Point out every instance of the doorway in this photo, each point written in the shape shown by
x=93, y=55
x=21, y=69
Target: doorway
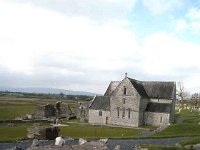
x=106, y=120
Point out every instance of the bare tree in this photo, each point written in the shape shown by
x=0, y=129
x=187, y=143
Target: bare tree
x=181, y=93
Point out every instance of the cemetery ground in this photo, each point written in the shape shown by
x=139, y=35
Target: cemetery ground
x=187, y=124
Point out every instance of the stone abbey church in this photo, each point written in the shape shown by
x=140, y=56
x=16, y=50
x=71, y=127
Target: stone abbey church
x=133, y=103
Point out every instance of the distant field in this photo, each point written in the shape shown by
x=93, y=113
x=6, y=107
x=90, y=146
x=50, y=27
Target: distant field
x=12, y=107
x=17, y=110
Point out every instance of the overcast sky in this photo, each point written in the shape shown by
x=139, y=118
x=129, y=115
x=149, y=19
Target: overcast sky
x=84, y=44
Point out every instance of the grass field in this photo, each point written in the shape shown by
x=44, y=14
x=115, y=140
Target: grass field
x=156, y=147
x=12, y=107
x=189, y=126
x=95, y=132
x=8, y=134
x=19, y=131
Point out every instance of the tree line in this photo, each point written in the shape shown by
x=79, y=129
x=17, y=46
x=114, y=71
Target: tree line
x=60, y=96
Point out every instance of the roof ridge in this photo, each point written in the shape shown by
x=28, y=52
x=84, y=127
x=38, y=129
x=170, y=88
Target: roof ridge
x=109, y=86
x=138, y=86
x=159, y=81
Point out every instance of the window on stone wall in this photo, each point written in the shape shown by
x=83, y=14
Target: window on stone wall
x=123, y=112
x=118, y=112
x=124, y=101
x=161, y=119
x=129, y=113
x=100, y=113
x=124, y=90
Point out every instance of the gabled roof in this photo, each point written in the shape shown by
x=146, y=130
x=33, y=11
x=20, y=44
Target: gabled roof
x=158, y=107
x=139, y=87
x=112, y=86
x=164, y=90
x=101, y=103
x=147, y=89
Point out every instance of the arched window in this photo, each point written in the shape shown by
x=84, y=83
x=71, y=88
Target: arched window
x=100, y=113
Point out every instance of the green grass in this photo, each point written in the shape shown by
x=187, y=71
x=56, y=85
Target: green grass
x=190, y=142
x=16, y=131
x=189, y=117
x=13, y=111
x=12, y=107
x=180, y=130
x=12, y=133
x=156, y=147
x=95, y=132
x=188, y=127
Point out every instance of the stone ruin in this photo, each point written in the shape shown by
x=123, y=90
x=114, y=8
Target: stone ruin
x=82, y=110
x=59, y=110
x=44, y=133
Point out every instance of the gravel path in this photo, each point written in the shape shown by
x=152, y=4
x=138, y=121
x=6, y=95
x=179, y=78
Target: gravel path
x=130, y=143
x=125, y=144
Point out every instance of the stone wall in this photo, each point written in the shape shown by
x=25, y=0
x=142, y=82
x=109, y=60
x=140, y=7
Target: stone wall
x=41, y=132
x=40, y=113
x=45, y=111
x=166, y=101
x=172, y=113
x=128, y=102
x=82, y=110
x=49, y=111
x=60, y=110
x=157, y=119
x=142, y=108
x=94, y=117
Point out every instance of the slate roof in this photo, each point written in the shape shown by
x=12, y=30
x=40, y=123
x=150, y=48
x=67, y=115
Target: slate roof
x=101, y=103
x=164, y=90
x=112, y=86
x=139, y=87
x=148, y=89
x=158, y=107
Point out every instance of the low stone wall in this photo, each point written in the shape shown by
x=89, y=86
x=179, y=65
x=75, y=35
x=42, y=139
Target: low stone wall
x=40, y=132
x=23, y=121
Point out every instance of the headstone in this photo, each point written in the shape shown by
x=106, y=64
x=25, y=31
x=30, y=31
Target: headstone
x=59, y=141
x=57, y=121
x=82, y=141
x=103, y=141
x=35, y=143
x=117, y=147
x=16, y=148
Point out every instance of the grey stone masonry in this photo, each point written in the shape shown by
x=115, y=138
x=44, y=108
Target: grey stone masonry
x=133, y=103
